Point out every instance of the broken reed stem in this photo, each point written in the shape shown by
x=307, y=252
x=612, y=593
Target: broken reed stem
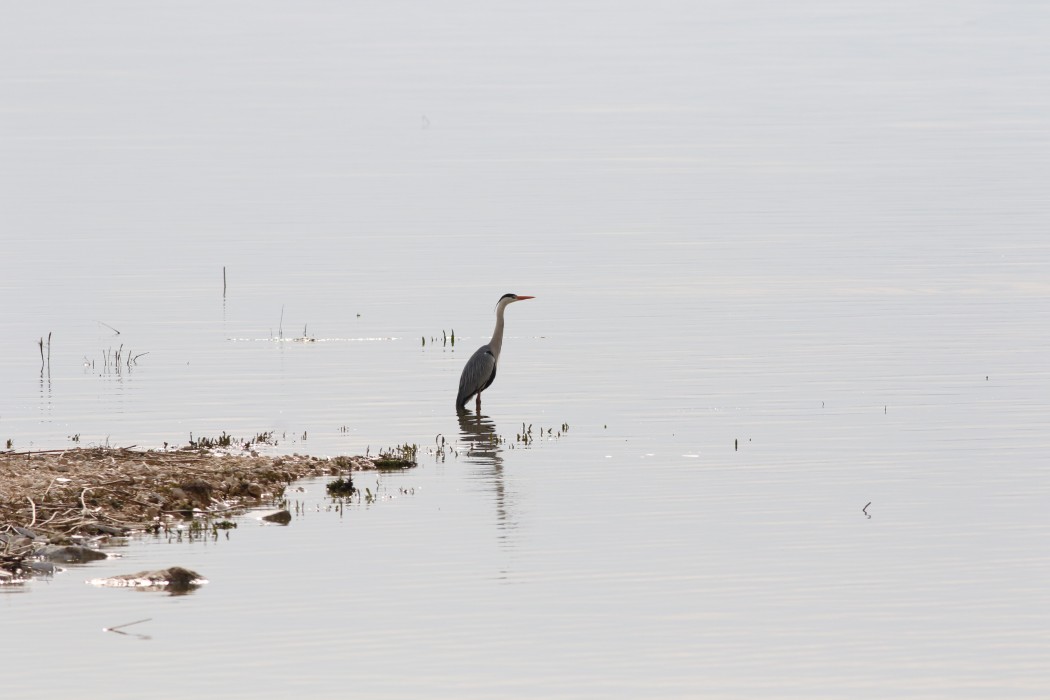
x=45, y=361
x=84, y=505
x=49, y=487
x=127, y=624
x=33, y=521
x=33, y=452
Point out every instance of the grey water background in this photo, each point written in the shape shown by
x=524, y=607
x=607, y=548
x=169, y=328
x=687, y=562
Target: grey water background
x=789, y=259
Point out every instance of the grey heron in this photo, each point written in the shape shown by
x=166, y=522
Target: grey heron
x=480, y=369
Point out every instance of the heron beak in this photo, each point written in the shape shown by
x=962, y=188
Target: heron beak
x=522, y=297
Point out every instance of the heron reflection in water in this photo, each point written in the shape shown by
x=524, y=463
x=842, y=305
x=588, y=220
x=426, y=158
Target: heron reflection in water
x=477, y=432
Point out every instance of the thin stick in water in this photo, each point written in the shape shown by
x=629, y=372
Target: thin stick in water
x=126, y=624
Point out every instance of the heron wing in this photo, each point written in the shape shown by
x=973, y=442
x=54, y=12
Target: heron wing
x=477, y=375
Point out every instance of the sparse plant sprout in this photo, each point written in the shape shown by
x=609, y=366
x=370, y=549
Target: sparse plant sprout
x=266, y=438
x=116, y=360
x=341, y=487
x=205, y=443
x=400, y=457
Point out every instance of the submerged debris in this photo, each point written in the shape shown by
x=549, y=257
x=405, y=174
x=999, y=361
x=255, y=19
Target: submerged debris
x=175, y=580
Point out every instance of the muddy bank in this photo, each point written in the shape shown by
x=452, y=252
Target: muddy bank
x=59, y=495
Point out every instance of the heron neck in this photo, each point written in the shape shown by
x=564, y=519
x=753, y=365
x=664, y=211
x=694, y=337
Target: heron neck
x=496, y=344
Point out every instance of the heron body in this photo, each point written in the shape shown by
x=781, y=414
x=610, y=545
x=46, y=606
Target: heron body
x=480, y=370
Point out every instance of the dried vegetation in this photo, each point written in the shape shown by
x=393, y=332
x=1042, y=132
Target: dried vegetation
x=64, y=496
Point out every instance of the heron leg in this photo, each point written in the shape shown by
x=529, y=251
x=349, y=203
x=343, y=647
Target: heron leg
x=479, y=402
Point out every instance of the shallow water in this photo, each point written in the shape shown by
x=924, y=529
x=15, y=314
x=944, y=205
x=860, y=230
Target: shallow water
x=788, y=260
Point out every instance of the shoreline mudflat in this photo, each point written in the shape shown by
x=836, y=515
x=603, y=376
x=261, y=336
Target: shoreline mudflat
x=61, y=494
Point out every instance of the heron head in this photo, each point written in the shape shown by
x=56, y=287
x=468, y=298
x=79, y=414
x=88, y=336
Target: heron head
x=511, y=298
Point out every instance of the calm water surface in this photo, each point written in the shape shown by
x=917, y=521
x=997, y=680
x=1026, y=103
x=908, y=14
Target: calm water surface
x=789, y=260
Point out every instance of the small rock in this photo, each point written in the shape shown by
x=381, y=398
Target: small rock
x=198, y=490
x=281, y=517
x=68, y=554
x=41, y=567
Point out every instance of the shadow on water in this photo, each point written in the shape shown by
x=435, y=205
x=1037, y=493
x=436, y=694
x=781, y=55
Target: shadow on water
x=477, y=433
